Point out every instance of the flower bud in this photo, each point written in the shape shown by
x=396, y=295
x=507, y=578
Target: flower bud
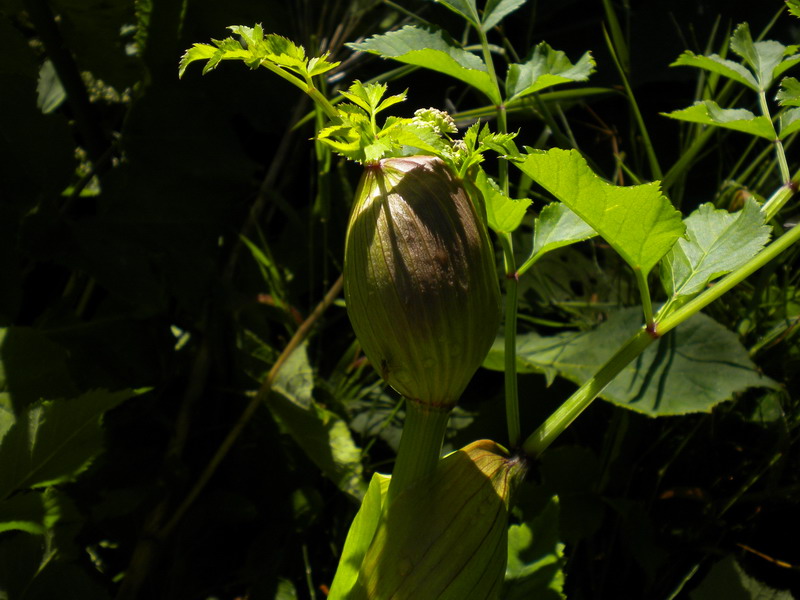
x=420, y=279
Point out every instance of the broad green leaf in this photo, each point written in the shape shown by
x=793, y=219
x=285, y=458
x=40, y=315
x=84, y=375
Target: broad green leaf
x=789, y=122
x=359, y=537
x=55, y=440
x=637, y=221
x=708, y=112
x=766, y=58
x=503, y=213
x=789, y=93
x=545, y=68
x=536, y=558
x=558, y=226
x=496, y=10
x=33, y=512
x=435, y=50
x=322, y=434
x=727, y=579
x=690, y=369
x=719, y=65
x=465, y=8
x=716, y=243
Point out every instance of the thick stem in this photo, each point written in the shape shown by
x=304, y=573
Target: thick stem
x=556, y=423
x=420, y=446
x=510, y=340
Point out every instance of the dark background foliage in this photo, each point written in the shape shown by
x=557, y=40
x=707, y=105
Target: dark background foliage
x=124, y=195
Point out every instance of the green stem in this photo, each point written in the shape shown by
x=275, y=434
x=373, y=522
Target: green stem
x=306, y=86
x=510, y=340
x=779, y=199
x=644, y=293
x=779, y=151
x=556, y=423
x=420, y=445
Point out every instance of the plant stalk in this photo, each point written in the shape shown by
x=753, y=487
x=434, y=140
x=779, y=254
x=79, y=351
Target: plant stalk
x=420, y=445
x=510, y=341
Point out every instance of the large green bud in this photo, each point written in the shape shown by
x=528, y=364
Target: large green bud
x=420, y=280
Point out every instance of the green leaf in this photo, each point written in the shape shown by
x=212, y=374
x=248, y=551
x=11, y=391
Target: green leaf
x=719, y=65
x=794, y=7
x=54, y=441
x=33, y=512
x=497, y=10
x=708, y=112
x=789, y=122
x=637, y=221
x=322, y=434
x=464, y=8
x=433, y=49
x=716, y=243
x=766, y=58
x=545, y=68
x=536, y=557
x=558, y=226
x=503, y=214
x=691, y=369
x=359, y=537
x=789, y=93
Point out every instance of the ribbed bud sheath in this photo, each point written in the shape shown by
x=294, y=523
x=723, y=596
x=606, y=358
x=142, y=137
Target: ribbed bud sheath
x=419, y=279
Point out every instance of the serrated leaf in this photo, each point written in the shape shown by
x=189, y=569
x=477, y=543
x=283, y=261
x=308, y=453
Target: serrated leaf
x=691, y=369
x=465, y=8
x=504, y=214
x=708, y=112
x=432, y=49
x=716, y=243
x=536, y=557
x=789, y=122
x=545, y=68
x=766, y=58
x=637, y=221
x=33, y=512
x=719, y=65
x=789, y=92
x=558, y=226
x=54, y=440
x=794, y=7
x=359, y=537
x=496, y=10
x=322, y=434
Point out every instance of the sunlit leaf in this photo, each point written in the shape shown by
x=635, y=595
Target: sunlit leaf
x=738, y=119
x=464, y=8
x=503, y=213
x=690, y=369
x=637, y=221
x=716, y=243
x=789, y=122
x=794, y=7
x=545, y=68
x=789, y=92
x=719, y=65
x=53, y=441
x=558, y=226
x=766, y=58
x=432, y=49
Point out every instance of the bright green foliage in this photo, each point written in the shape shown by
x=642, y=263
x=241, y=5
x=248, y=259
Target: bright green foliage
x=789, y=94
x=691, y=369
x=716, y=243
x=545, y=68
x=492, y=14
x=53, y=441
x=637, y=221
x=556, y=226
x=504, y=214
x=321, y=433
x=359, y=537
x=708, y=112
x=536, y=557
x=256, y=49
x=433, y=49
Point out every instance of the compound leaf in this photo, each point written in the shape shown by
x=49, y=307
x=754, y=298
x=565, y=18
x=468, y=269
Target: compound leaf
x=433, y=49
x=766, y=58
x=716, y=243
x=637, y=221
x=545, y=68
x=708, y=112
